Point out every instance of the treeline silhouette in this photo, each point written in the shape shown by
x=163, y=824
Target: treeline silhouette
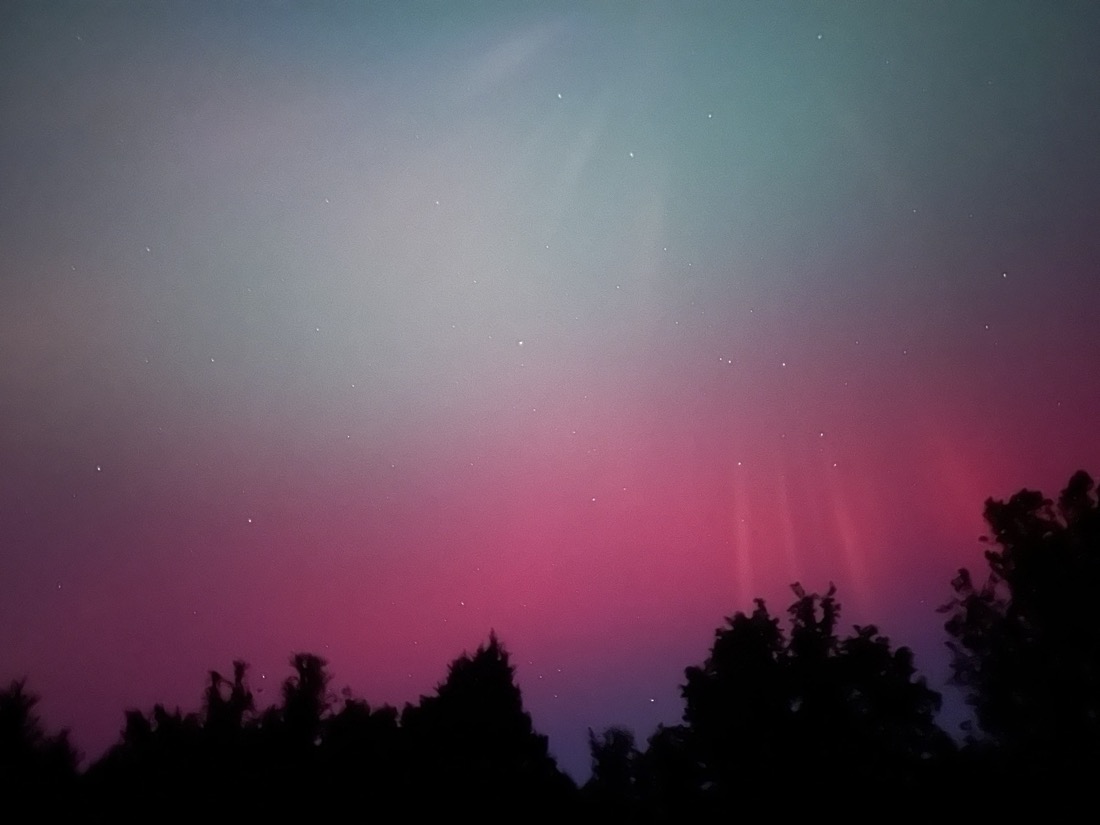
x=791, y=719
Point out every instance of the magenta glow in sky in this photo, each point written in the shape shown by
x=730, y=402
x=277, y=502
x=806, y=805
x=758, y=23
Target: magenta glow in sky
x=363, y=329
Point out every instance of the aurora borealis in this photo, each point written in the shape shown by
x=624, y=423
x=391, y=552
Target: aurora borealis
x=365, y=328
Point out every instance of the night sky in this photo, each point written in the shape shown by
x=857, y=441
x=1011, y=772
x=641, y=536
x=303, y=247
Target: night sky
x=365, y=328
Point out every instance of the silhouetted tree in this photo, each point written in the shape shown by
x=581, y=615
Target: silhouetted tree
x=1026, y=642
x=669, y=777
x=227, y=703
x=37, y=769
x=612, y=792
x=807, y=712
x=738, y=708
x=473, y=747
x=364, y=762
x=305, y=698
x=154, y=771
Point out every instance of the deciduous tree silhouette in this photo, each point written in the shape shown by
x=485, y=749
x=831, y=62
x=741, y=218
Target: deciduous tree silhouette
x=669, y=778
x=788, y=714
x=305, y=698
x=807, y=714
x=364, y=756
x=37, y=769
x=612, y=793
x=154, y=772
x=738, y=706
x=1026, y=642
x=227, y=703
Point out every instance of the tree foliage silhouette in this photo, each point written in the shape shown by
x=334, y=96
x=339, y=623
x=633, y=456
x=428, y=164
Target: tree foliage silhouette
x=791, y=713
x=769, y=710
x=37, y=769
x=470, y=748
x=474, y=742
x=613, y=791
x=305, y=698
x=227, y=704
x=1026, y=642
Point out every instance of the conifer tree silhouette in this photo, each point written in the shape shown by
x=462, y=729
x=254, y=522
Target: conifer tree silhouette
x=474, y=743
